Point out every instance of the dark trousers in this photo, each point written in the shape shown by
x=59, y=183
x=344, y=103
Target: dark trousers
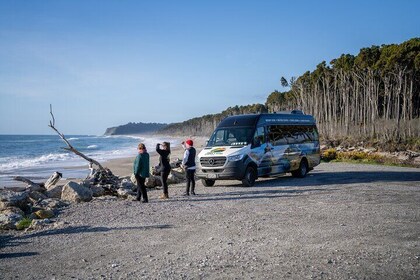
x=164, y=175
x=141, y=188
x=190, y=180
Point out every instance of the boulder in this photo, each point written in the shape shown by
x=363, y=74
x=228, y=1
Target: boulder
x=54, y=191
x=39, y=224
x=153, y=181
x=51, y=203
x=125, y=193
x=35, y=195
x=8, y=220
x=126, y=184
x=44, y=214
x=75, y=192
x=10, y=198
x=97, y=190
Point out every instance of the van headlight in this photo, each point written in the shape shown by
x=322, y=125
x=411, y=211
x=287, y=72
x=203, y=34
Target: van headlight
x=235, y=158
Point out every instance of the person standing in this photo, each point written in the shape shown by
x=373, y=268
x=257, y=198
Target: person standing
x=141, y=172
x=188, y=162
x=164, y=150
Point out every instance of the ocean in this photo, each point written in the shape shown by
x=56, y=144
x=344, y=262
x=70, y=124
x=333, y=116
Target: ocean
x=36, y=157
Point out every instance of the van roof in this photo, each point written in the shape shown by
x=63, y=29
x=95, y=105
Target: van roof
x=250, y=120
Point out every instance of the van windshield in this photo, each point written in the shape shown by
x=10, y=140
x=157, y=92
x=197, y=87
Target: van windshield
x=231, y=136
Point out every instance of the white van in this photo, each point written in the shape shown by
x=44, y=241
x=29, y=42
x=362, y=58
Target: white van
x=245, y=147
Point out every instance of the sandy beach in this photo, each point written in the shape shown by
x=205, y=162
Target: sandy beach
x=124, y=166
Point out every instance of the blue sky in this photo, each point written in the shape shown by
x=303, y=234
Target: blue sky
x=107, y=63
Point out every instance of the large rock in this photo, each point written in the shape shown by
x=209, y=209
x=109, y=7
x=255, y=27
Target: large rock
x=10, y=217
x=10, y=199
x=44, y=214
x=54, y=191
x=51, y=203
x=97, y=190
x=75, y=192
x=37, y=195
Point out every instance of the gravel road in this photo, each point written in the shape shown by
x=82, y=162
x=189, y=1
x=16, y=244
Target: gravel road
x=342, y=221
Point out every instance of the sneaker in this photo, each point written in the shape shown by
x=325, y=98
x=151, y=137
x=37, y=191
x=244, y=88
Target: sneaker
x=193, y=193
x=185, y=194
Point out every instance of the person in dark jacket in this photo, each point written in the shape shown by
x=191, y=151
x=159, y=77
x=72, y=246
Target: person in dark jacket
x=188, y=162
x=141, y=172
x=164, y=151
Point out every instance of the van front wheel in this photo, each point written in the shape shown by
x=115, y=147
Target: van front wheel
x=250, y=177
x=208, y=183
x=302, y=171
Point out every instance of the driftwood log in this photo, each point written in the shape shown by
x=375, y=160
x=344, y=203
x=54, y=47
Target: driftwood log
x=70, y=147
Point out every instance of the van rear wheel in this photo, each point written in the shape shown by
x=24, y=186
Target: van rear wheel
x=208, y=183
x=302, y=171
x=250, y=177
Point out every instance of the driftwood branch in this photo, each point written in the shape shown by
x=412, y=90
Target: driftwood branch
x=70, y=147
x=25, y=180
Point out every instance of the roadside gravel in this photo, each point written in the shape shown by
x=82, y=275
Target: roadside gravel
x=342, y=221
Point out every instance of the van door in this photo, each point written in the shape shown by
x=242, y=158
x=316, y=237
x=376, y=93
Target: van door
x=280, y=161
x=261, y=152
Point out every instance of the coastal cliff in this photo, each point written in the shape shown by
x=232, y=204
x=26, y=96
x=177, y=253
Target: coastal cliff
x=134, y=128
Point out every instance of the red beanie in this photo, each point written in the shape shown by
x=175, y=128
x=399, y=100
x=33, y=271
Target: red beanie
x=189, y=142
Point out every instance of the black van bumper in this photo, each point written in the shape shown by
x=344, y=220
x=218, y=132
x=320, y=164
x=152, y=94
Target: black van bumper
x=234, y=170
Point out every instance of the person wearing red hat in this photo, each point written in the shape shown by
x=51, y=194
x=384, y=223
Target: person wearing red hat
x=188, y=162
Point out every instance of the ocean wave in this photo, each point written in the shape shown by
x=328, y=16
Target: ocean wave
x=73, y=138
x=92, y=146
x=16, y=163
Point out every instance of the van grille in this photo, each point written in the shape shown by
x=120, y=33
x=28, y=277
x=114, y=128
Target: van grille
x=212, y=161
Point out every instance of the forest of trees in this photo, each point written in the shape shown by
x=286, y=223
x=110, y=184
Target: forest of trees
x=371, y=97
x=374, y=96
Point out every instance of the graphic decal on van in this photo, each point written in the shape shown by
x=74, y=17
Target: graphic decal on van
x=216, y=151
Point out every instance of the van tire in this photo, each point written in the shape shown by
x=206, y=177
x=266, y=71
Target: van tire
x=207, y=182
x=250, y=177
x=302, y=171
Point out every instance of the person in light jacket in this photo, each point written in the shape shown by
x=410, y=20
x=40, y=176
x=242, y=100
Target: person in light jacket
x=188, y=163
x=141, y=171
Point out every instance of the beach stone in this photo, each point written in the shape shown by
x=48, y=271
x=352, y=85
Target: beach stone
x=10, y=198
x=153, y=181
x=97, y=191
x=35, y=195
x=44, y=214
x=54, y=191
x=126, y=184
x=39, y=224
x=8, y=220
x=75, y=192
x=125, y=193
x=51, y=203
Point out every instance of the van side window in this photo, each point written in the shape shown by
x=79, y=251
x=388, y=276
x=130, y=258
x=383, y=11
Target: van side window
x=276, y=135
x=259, y=137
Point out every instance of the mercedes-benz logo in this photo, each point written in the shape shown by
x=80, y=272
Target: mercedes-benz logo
x=211, y=161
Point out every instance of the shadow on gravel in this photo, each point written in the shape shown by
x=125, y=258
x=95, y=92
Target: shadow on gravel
x=11, y=240
x=17, y=255
x=323, y=178
x=254, y=194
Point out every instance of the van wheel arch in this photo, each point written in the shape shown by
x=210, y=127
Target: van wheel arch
x=250, y=176
x=302, y=170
